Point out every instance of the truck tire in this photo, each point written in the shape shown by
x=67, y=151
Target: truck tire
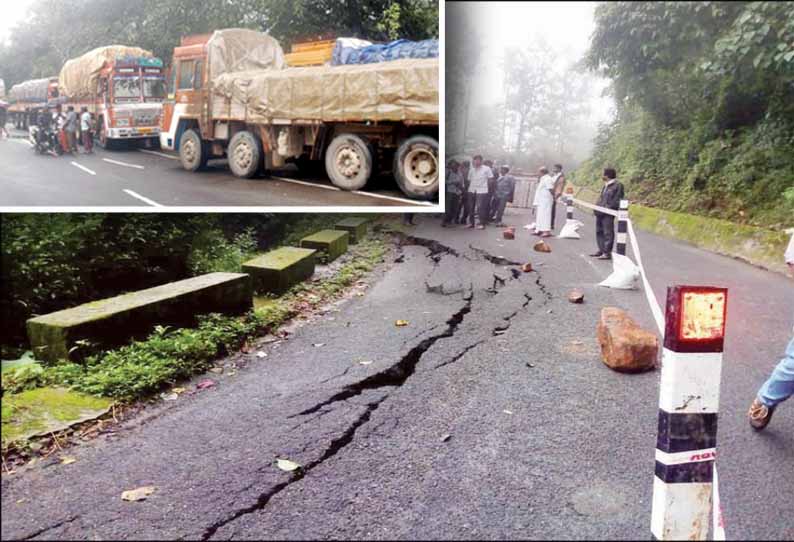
x=348, y=162
x=102, y=138
x=192, y=151
x=416, y=167
x=245, y=154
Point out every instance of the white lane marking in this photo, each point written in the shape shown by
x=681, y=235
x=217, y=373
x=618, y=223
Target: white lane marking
x=159, y=154
x=315, y=185
x=393, y=198
x=122, y=163
x=359, y=192
x=75, y=164
x=142, y=198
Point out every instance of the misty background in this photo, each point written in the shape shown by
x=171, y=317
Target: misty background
x=516, y=87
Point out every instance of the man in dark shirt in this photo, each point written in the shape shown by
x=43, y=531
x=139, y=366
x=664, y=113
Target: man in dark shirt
x=610, y=197
x=454, y=191
x=505, y=185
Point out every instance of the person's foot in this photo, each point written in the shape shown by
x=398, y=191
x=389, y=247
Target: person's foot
x=469, y=226
x=759, y=414
x=605, y=257
x=481, y=227
x=545, y=234
x=596, y=254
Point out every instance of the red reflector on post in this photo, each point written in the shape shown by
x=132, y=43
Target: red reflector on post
x=696, y=318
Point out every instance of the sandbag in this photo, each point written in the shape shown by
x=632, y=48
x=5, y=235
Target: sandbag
x=624, y=274
x=571, y=229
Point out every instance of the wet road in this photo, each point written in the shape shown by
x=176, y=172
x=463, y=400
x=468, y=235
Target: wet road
x=141, y=178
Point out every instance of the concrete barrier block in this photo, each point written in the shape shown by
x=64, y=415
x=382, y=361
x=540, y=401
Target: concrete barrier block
x=356, y=227
x=332, y=242
x=280, y=269
x=118, y=320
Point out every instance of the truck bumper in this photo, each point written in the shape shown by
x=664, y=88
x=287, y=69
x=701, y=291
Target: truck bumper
x=133, y=133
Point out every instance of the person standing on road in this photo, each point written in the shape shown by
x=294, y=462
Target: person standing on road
x=465, y=203
x=454, y=190
x=780, y=384
x=505, y=185
x=85, y=131
x=59, y=121
x=478, y=192
x=544, y=201
x=610, y=197
x=3, y=120
x=70, y=127
x=559, y=187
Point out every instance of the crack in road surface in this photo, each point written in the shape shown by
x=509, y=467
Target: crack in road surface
x=393, y=377
x=50, y=528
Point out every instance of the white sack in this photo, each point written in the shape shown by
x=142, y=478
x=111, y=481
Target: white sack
x=571, y=229
x=624, y=274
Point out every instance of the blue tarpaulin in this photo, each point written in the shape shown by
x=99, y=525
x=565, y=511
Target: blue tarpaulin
x=346, y=52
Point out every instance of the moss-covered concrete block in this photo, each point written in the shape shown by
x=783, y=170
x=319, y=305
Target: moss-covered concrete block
x=117, y=320
x=280, y=269
x=332, y=242
x=356, y=227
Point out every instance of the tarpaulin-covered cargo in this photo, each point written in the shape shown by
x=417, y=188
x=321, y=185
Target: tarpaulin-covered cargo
x=347, y=51
x=34, y=90
x=240, y=49
x=402, y=90
x=78, y=78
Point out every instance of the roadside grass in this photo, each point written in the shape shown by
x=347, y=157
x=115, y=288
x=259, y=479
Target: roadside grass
x=168, y=356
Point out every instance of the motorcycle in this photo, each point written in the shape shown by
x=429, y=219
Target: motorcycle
x=45, y=140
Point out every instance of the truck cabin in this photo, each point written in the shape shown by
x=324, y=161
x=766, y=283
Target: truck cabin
x=132, y=80
x=187, y=80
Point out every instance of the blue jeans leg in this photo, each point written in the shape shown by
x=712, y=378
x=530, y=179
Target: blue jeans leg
x=780, y=385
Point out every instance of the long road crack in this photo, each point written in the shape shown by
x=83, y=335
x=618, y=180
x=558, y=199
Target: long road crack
x=394, y=377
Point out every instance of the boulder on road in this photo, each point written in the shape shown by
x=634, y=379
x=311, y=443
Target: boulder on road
x=542, y=246
x=625, y=346
x=576, y=296
x=509, y=233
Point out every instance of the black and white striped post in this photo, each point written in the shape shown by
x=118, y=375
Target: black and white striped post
x=623, y=216
x=688, y=404
x=569, y=207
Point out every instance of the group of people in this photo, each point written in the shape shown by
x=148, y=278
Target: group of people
x=478, y=192
x=69, y=127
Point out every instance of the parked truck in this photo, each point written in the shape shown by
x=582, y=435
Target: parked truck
x=235, y=97
x=26, y=99
x=124, y=87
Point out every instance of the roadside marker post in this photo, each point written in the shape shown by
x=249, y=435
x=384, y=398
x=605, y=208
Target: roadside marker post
x=623, y=217
x=688, y=405
x=569, y=206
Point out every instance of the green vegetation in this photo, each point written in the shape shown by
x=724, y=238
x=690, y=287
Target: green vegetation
x=56, y=261
x=705, y=119
x=59, y=30
x=43, y=410
x=169, y=355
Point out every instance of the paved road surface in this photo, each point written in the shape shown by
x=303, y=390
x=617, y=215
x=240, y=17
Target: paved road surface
x=136, y=177
x=544, y=440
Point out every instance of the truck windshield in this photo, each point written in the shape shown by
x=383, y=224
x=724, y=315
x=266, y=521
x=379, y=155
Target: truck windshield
x=154, y=87
x=126, y=89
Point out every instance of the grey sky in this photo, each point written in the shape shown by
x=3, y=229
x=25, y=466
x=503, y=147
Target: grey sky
x=566, y=26
x=13, y=11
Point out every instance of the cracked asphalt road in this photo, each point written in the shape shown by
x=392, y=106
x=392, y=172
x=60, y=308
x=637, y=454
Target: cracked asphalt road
x=488, y=416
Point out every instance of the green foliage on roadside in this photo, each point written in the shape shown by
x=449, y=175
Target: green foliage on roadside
x=55, y=261
x=169, y=355
x=705, y=120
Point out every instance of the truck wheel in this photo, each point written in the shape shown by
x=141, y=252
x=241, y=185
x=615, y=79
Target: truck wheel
x=416, y=167
x=245, y=154
x=102, y=136
x=192, y=151
x=348, y=162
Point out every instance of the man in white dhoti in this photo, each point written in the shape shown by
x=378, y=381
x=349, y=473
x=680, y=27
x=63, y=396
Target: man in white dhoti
x=544, y=200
